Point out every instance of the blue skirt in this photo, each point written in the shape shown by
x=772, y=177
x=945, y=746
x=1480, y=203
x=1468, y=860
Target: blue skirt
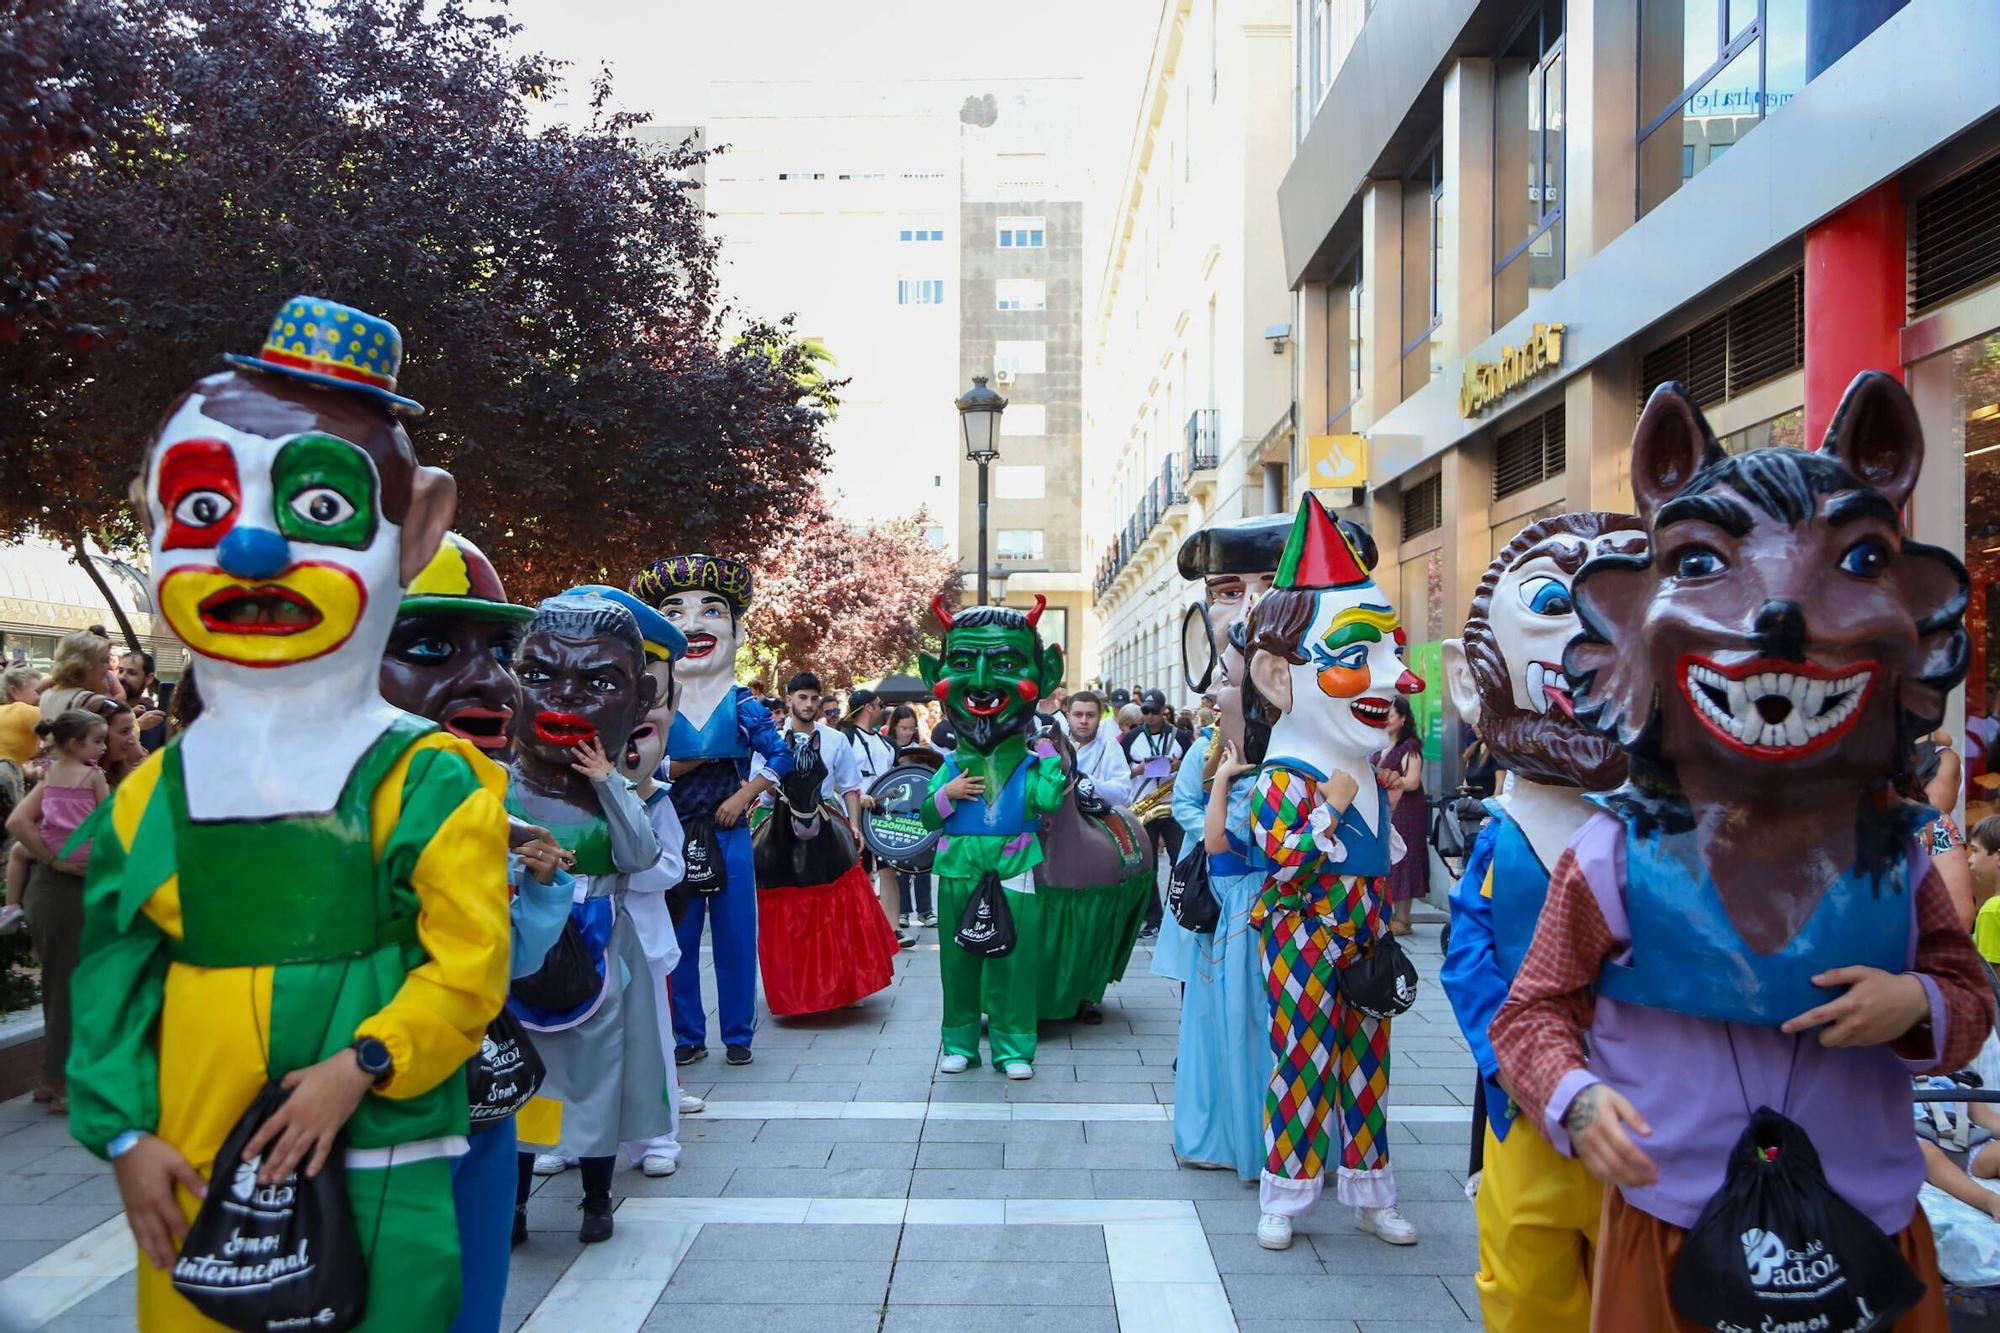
x=1225, y=1059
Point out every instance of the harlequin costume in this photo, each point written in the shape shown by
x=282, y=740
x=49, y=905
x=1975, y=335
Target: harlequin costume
x=1538, y=1210
x=1222, y=1066
x=719, y=725
x=445, y=663
x=1323, y=656
x=304, y=868
x=989, y=671
x=1856, y=639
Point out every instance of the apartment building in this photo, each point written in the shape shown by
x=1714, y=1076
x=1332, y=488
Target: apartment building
x=1191, y=396
x=1507, y=221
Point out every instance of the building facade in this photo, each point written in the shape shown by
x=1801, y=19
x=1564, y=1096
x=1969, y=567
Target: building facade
x=1191, y=394
x=1507, y=221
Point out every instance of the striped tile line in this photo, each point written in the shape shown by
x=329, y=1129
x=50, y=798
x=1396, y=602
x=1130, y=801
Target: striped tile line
x=724, y=1109
x=60, y=1279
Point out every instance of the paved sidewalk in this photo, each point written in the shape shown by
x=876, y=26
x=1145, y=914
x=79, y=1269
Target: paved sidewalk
x=839, y=1184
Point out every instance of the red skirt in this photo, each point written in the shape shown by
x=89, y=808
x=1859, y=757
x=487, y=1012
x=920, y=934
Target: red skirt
x=823, y=946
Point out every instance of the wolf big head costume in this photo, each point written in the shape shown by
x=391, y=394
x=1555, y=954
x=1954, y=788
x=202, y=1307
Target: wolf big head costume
x=305, y=869
x=1750, y=922
x=1537, y=1210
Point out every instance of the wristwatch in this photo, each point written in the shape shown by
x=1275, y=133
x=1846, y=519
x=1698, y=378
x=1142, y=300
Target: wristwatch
x=373, y=1057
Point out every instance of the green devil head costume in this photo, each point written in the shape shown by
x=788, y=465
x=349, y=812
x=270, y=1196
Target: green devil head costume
x=990, y=670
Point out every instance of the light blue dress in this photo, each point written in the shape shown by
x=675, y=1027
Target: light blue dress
x=1173, y=950
x=1224, y=1061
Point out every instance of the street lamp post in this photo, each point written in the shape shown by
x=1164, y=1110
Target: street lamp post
x=979, y=416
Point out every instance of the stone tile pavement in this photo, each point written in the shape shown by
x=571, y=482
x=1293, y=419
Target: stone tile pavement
x=839, y=1183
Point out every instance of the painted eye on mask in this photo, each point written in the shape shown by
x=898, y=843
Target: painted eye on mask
x=1698, y=562
x=1866, y=559
x=325, y=492
x=1354, y=657
x=1547, y=597
x=322, y=505
x=428, y=652
x=201, y=509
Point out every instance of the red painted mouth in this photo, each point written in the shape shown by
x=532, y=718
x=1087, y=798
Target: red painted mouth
x=484, y=727
x=984, y=703
x=1769, y=709
x=563, y=728
x=699, y=646
x=265, y=609
x=1371, y=712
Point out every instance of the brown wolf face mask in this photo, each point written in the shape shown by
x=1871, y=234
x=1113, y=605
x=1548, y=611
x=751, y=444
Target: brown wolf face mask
x=1781, y=630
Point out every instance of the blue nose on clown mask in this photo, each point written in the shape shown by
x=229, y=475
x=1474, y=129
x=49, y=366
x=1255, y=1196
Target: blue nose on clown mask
x=253, y=553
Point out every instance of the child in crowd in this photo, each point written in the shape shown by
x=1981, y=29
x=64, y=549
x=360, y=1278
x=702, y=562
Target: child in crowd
x=1983, y=847
x=51, y=895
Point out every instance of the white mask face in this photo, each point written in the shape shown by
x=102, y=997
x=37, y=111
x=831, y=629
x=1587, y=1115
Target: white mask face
x=713, y=634
x=1341, y=696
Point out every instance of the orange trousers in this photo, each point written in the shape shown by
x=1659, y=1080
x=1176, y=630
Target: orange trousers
x=1635, y=1261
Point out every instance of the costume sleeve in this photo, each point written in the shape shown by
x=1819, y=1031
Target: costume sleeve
x=1281, y=809
x=1190, y=801
x=1961, y=999
x=936, y=805
x=1046, y=783
x=451, y=834
x=762, y=733
x=537, y=914
x=1109, y=774
x=1986, y=930
x=634, y=846
x=841, y=765
x=1537, y=1035
x=1471, y=972
x=670, y=867
x=118, y=991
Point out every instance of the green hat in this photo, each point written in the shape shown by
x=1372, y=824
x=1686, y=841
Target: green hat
x=460, y=581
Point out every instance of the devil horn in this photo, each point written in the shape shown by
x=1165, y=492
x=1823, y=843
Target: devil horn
x=1041, y=604
x=938, y=610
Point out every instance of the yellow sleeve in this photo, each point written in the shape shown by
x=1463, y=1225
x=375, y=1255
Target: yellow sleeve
x=447, y=822
x=1986, y=931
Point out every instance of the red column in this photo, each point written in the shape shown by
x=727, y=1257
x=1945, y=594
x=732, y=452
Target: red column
x=1854, y=300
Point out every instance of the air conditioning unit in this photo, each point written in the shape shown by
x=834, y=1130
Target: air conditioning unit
x=1003, y=376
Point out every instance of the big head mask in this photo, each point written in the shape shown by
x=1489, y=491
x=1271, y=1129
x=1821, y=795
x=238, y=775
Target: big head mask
x=990, y=670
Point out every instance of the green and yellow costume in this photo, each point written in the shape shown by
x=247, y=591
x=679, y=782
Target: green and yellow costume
x=219, y=955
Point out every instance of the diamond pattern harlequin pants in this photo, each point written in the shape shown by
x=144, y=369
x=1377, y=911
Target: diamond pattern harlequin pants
x=1326, y=1054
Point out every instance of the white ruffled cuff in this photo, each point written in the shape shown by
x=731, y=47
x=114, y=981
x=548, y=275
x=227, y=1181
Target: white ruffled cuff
x=1324, y=825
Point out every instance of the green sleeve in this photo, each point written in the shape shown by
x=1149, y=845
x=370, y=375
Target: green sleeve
x=117, y=995
x=1045, y=785
x=929, y=809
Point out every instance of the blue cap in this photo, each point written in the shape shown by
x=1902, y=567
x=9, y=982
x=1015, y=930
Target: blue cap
x=663, y=641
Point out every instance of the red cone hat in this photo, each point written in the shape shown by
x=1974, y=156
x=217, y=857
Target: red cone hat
x=1318, y=555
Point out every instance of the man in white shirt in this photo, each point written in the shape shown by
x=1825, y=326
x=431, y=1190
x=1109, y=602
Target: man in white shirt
x=1097, y=755
x=842, y=784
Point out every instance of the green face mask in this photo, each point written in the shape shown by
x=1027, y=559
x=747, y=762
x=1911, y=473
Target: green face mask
x=989, y=676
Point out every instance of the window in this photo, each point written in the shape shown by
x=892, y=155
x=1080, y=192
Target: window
x=1528, y=164
x=1025, y=357
x=1343, y=340
x=1530, y=453
x=934, y=535
x=1331, y=28
x=1423, y=226
x=1020, y=233
x=923, y=230
x=1020, y=294
x=1020, y=543
x=1020, y=481
x=920, y=291
x=1709, y=72
x=1025, y=419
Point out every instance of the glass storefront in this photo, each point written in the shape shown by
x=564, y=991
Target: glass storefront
x=1975, y=414
x=1787, y=430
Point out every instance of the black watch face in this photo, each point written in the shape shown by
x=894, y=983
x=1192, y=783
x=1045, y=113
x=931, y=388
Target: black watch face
x=372, y=1055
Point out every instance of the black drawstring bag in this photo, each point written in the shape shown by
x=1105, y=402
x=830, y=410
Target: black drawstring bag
x=1381, y=981
x=1777, y=1248
x=702, y=856
x=261, y=1257
x=1190, y=897
x=504, y=1074
x=567, y=977
x=986, y=927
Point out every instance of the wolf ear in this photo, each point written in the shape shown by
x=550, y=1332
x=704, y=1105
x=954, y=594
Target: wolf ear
x=1671, y=444
x=1875, y=435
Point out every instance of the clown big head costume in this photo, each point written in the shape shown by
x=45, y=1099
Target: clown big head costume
x=1324, y=663
x=307, y=884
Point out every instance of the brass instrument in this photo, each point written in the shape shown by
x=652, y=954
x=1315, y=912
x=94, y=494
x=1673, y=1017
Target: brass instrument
x=1155, y=805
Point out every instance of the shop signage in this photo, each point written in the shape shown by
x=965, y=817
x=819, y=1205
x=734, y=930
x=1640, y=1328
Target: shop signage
x=1336, y=460
x=1487, y=382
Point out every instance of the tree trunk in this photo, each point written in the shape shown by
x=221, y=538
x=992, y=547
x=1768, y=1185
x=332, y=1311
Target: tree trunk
x=89, y=566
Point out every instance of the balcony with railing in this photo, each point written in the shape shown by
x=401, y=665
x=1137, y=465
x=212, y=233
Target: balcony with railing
x=1156, y=520
x=1203, y=449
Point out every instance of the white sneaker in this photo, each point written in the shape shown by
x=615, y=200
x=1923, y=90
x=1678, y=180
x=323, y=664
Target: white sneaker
x=692, y=1105
x=657, y=1164
x=1387, y=1223
x=10, y=919
x=1274, y=1231
x=1018, y=1070
x=953, y=1063
x=551, y=1164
